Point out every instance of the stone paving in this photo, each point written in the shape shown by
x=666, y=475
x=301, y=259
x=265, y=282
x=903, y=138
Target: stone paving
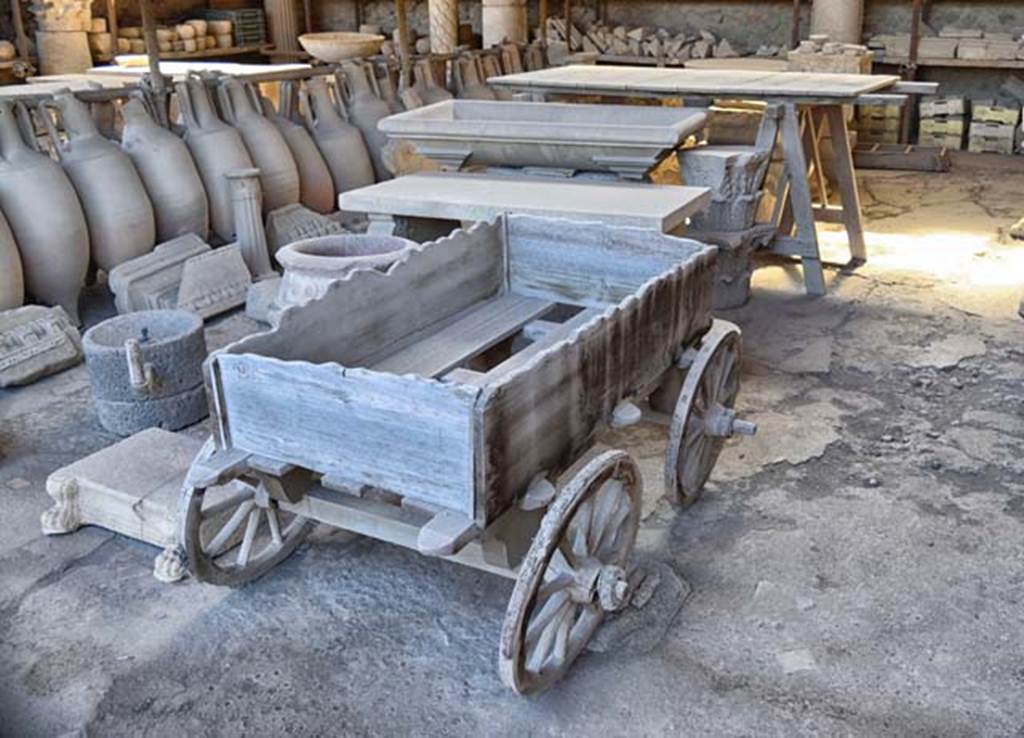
x=853, y=569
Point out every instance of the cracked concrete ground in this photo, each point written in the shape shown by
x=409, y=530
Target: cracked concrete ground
x=853, y=569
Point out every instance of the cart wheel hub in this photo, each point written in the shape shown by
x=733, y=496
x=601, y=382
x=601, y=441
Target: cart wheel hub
x=721, y=422
x=613, y=588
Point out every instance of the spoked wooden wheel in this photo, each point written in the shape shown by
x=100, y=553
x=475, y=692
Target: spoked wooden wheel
x=704, y=415
x=239, y=534
x=574, y=572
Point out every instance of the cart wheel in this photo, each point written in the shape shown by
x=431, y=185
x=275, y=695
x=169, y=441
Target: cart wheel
x=220, y=549
x=704, y=417
x=574, y=572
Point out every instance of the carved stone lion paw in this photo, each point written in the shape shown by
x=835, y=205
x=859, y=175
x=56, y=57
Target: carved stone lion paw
x=171, y=565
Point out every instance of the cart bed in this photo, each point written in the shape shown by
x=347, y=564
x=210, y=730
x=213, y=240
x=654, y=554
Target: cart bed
x=476, y=362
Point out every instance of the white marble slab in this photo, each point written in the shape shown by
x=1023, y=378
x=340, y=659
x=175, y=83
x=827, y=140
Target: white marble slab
x=475, y=197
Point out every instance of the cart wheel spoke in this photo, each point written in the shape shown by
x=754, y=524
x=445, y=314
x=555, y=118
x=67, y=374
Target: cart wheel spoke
x=241, y=493
x=219, y=542
x=274, y=525
x=587, y=534
x=250, y=535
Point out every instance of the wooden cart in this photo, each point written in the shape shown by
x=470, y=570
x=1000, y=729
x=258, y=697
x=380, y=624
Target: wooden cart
x=436, y=405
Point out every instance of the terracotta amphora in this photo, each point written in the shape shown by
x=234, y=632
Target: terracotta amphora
x=216, y=148
x=12, y=285
x=365, y=109
x=426, y=85
x=168, y=173
x=114, y=200
x=339, y=141
x=45, y=216
x=316, y=188
x=279, y=176
x=469, y=79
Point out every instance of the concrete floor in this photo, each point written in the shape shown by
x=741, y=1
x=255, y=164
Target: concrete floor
x=854, y=569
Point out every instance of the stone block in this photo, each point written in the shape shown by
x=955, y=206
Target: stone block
x=949, y=141
x=152, y=281
x=214, y=282
x=946, y=125
x=297, y=223
x=132, y=488
x=989, y=111
x=971, y=48
x=955, y=32
x=934, y=106
x=36, y=341
x=993, y=138
x=937, y=48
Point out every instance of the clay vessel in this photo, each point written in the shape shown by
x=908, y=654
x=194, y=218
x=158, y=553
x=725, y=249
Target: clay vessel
x=316, y=188
x=469, y=79
x=216, y=148
x=365, y=109
x=12, y=285
x=168, y=173
x=279, y=175
x=46, y=218
x=426, y=85
x=313, y=264
x=340, y=142
x=117, y=208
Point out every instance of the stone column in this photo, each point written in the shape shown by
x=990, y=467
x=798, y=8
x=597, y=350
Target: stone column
x=504, y=20
x=444, y=25
x=247, y=203
x=842, y=20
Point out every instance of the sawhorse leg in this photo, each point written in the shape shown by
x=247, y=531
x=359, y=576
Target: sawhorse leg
x=846, y=181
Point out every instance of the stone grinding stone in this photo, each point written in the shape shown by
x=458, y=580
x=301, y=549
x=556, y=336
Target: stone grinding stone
x=170, y=413
x=175, y=347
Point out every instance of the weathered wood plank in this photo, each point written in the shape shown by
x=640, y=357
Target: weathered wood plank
x=403, y=434
x=587, y=264
x=367, y=312
x=541, y=409
x=477, y=329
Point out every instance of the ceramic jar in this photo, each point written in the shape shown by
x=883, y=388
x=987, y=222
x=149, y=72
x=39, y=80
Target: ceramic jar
x=168, y=173
x=117, y=208
x=45, y=217
x=365, y=109
x=268, y=149
x=12, y=286
x=316, y=188
x=340, y=142
x=216, y=148
x=310, y=266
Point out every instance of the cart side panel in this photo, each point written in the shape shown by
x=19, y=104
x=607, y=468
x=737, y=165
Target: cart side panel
x=588, y=264
x=369, y=313
x=403, y=434
x=544, y=414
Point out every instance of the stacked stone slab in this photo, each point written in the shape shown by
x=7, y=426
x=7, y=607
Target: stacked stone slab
x=643, y=41
x=879, y=123
x=942, y=121
x=994, y=127
x=145, y=370
x=62, y=40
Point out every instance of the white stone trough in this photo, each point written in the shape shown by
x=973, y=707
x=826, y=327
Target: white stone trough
x=627, y=140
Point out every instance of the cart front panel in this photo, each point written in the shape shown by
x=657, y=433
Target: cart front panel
x=404, y=434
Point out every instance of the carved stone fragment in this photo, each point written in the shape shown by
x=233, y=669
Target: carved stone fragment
x=214, y=282
x=36, y=341
x=151, y=281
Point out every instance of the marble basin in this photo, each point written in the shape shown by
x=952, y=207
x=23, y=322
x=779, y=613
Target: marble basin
x=627, y=140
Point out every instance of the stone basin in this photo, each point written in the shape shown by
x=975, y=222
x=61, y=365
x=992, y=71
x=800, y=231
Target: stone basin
x=312, y=264
x=627, y=140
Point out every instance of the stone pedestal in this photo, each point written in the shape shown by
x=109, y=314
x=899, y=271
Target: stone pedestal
x=132, y=488
x=504, y=20
x=247, y=203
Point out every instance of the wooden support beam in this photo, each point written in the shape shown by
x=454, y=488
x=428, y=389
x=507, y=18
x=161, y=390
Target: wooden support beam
x=158, y=82
x=19, y=31
x=794, y=39
x=567, y=11
x=404, y=46
x=112, y=24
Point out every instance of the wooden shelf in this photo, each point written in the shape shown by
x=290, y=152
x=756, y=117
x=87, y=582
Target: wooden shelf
x=956, y=63
x=204, y=54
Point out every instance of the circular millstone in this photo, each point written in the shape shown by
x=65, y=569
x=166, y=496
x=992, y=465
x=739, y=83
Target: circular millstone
x=170, y=413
